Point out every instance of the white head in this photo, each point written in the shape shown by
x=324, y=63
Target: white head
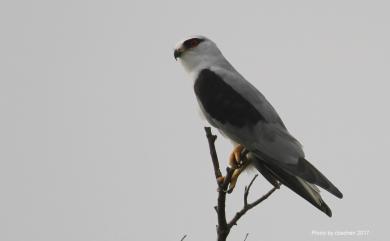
x=198, y=52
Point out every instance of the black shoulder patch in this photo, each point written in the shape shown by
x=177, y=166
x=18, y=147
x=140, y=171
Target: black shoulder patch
x=222, y=102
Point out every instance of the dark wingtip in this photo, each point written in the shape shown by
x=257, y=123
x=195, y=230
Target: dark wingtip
x=339, y=195
x=313, y=175
x=326, y=209
x=335, y=192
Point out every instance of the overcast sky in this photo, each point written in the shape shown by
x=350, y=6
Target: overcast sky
x=100, y=139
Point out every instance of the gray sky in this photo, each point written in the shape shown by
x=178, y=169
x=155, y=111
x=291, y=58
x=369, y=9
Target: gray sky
x=100, y=138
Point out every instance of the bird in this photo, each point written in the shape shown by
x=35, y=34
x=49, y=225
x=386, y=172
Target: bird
x=239, y=111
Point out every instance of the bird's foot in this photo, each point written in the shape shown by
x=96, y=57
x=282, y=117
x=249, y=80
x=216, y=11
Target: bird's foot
x=235, y=158
x=236, y=174
x=238, y=162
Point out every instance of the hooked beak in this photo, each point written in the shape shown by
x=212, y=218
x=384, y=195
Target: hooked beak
x=178, y=52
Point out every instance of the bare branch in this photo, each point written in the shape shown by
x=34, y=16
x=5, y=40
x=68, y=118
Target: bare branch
x=227, y=179
x=223, y=183
x=214, y=157
x=246, y=236
x=224, y=227
x=185, y=236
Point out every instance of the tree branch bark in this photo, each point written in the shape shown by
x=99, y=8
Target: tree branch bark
x=224, y=227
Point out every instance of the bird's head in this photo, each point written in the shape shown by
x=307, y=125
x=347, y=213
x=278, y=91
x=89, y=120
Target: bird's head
x=197, y=52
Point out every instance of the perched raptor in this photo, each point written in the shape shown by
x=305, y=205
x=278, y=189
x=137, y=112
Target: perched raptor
x=239, y=111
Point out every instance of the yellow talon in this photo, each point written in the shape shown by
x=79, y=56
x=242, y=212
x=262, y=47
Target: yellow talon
x=235, y=176
x=235, y=156
x=237, y=165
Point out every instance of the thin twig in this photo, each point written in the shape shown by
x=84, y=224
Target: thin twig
x=247, y=188
x=248, y=206
x=258, y=201
x=246, y=236
x=185, y=236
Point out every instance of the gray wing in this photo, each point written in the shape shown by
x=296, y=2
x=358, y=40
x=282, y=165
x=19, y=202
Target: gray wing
x=268, y=138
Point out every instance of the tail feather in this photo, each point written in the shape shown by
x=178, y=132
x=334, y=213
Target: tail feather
x=303, y=169
x=313, y=175
x=301, y=187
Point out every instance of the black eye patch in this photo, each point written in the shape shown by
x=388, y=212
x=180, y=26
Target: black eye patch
x=191, y=43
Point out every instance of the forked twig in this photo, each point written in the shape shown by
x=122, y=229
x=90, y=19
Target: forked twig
x=248, y=206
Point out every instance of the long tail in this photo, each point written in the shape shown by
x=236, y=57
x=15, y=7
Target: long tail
x=301, y=187
x=303, y=169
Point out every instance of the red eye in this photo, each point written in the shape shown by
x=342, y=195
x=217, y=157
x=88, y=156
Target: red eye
x=194, y=42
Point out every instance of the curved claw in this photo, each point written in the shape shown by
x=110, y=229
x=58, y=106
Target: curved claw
x=235, y=156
